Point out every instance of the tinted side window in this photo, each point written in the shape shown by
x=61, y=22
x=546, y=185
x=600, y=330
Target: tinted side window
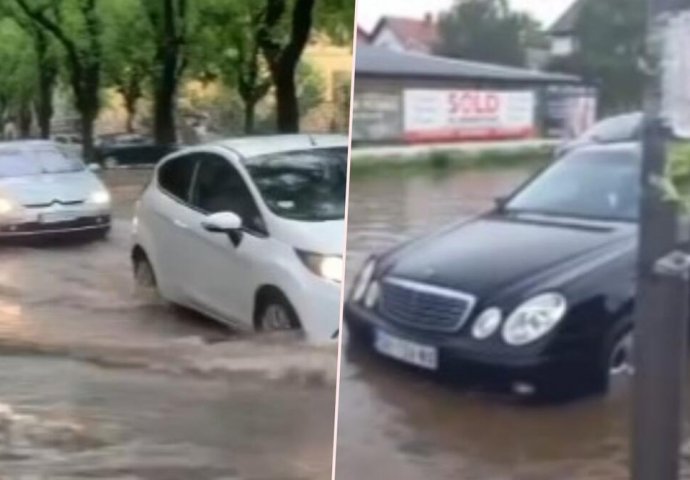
x=175, y=176
x=220, y=188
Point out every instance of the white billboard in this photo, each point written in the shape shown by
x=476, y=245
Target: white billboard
x=449, y=115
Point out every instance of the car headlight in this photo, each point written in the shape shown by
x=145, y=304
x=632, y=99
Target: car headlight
x=363, y=280
x=329, y=267
x=99, y=197
x=371, y=298
x=6, y=206
x=487, y=323
x=534, y=318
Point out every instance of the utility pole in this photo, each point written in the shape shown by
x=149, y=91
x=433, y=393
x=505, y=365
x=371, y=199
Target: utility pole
x=662, y=307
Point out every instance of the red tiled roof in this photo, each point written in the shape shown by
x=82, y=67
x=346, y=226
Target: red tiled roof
x=418, y=35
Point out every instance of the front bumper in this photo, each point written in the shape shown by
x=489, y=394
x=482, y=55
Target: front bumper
x=55, y=221
x=463, y=355
x=317, y=302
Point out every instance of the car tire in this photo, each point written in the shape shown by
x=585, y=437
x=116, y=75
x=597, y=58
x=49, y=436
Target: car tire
x=615, y=364
x=111, y=162
x=145, y=277
x=275, y=313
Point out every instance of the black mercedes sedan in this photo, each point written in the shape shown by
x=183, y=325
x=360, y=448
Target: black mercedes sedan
x=538, y=292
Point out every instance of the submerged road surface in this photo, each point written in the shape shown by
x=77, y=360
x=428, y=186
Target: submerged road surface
x=97, y=382
x=398, y=423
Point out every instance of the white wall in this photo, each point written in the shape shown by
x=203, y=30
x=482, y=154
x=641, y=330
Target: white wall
x=387, y=39
x=563, y=46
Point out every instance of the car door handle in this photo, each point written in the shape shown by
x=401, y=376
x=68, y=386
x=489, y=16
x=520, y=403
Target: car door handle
x=180, y=224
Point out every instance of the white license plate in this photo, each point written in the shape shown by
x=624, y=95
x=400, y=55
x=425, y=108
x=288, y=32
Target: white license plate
x=57, y=217
x=413, y=353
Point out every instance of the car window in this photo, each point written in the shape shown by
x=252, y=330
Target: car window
x=307, y=185
x=175, y=176
x=45, y=160
x=219, y=187
x=616, y=129
x=593, y=185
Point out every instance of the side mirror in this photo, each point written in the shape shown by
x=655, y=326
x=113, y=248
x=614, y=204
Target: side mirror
x=94, y=167
x=500, y=203
x=223, y=222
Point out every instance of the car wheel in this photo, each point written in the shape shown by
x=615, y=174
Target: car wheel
x=111, y=162
x=617, y=363
x=276, y=314
x=620, y=361
x=145, y=278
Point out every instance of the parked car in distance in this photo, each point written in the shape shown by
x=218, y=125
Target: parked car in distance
x=44, y=192
x=249, y=232
x=130, y=150
x=70, y=144
x=617, y=129
x=538, y=292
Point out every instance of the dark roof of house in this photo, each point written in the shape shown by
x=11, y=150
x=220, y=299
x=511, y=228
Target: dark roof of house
x=382, y=62
x=566, y=23
x=362, y=35
x=413, y=33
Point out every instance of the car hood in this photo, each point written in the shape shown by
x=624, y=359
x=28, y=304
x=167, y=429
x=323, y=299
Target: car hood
x=47, y=188
x=493, y=252
x=326, y=237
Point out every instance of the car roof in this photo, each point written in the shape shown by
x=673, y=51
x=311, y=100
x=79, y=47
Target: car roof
x=266, y=144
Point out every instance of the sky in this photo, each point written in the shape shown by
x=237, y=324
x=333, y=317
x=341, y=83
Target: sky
x=369, y=11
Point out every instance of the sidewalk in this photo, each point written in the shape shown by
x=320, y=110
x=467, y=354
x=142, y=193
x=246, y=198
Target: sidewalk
x=407, y=153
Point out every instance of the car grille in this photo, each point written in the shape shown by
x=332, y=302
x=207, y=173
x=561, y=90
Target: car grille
x=54, y=202
x=423, y=306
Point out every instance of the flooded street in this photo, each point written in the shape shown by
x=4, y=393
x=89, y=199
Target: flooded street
x=98, y=382
x=398, y=423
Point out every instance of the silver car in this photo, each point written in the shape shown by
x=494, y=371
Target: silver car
x=45, y=192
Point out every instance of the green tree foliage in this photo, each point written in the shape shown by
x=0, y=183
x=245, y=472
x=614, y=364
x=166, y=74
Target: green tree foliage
x=128, y=47
x=76, y=25
x=170, y=22
x=228, y=49
x=310, y=88
x=611, y=42
x=285, y=30
x=17, y=75
x=486, y=30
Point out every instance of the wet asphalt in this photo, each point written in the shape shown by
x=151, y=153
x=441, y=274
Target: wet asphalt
x=97, y=381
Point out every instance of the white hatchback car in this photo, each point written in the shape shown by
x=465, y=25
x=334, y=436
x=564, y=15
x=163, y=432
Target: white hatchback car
x=249, y=232
x=44, y=192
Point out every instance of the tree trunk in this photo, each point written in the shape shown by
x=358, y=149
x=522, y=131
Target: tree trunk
x=44, y=106
x=24, y=119
x=249, y=117
x=287, y=105
x=87, y=122
x=164, y=129
x=131, y=110
x=283, y=60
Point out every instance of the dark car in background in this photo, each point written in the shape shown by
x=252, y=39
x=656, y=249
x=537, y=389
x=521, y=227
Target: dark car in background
x=538, y=292
x=616, y=129
x=130, y=150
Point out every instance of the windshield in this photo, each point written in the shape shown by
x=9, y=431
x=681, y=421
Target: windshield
x=303, y=185
x=600, y=185
x=24, y=163
x=616, y=129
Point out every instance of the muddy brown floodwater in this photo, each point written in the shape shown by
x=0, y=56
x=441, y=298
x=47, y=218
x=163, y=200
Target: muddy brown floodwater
x=97, y=382
x=402, y=424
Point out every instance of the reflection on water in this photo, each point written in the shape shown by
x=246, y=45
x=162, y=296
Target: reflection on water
x=398, y=423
